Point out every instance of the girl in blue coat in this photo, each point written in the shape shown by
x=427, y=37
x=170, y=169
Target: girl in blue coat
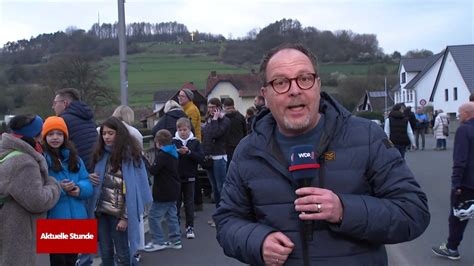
x=69, y=170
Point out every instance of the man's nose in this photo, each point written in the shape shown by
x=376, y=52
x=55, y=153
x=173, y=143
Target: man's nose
x=294, y=88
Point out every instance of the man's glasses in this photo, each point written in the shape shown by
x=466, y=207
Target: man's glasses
x=283, y=85
x=58, y=101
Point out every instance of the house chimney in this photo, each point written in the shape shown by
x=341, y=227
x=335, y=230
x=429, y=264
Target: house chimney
x=213, y=74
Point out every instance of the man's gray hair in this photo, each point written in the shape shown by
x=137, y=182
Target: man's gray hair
x=69, y=93
x=296, y=46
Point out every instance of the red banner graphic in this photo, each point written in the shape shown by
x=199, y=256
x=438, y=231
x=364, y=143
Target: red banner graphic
x=66, y=236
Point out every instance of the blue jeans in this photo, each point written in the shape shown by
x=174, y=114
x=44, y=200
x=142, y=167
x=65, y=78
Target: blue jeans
x=85, y=259
x=217, y=177
x=110, y=239
x=168, y=210
x=441, y=143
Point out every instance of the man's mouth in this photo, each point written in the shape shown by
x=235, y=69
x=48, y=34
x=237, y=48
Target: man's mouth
x=296, y=107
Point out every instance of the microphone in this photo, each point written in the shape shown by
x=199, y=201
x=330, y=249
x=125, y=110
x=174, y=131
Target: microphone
x=304, y=167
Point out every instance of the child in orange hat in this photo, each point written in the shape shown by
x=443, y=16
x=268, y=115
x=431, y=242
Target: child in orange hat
x=69, y=170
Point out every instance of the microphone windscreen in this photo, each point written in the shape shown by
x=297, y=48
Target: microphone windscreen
x=303, y=162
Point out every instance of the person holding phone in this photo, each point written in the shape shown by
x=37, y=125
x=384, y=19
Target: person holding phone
x=66, y=166
x=214, y=132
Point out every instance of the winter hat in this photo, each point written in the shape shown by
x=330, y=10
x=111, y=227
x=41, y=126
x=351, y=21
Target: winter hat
x=189, y=94
x=52, y=123
x=31, y=130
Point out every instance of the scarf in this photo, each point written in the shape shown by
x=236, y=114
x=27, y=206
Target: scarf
x=184, y=141
x=137, y=196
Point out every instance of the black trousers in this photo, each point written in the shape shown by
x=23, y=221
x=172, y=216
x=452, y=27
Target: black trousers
x=187, y=196
x=457, y=227
x=197, y=192
x=62, y=259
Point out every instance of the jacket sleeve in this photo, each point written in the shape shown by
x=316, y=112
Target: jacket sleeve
x=84, y=183
x=157, y=165
x=397, y=209
x=460, y=156
x=29, y=190
x=196, y=154
x=238, y=232
x=218, y=128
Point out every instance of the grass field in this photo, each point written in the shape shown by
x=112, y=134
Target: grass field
x=150, y=72
x=166, y=67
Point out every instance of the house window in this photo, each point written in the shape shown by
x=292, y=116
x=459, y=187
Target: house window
x=404, y=77
x=446, y=95
x=455, y=94
x=403, y=97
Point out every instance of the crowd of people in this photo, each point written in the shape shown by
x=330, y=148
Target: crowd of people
x=405, y=128
x=66, y=167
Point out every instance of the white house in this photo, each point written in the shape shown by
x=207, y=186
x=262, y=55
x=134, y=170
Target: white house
x=455, y=80
x=443, y=81
x=417, y=77
x=242, y=88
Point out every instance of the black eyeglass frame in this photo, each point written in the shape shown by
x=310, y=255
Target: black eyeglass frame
x=315, y=76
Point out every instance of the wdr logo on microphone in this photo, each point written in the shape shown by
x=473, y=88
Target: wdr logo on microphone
x=303, y=155
x=306, y=155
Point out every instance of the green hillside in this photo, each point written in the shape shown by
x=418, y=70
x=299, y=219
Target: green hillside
x=149, y=72
x=166, y=68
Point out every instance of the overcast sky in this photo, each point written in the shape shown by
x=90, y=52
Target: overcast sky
x=400, y=25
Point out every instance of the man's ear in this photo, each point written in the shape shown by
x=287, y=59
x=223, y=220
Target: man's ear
x=67, y=103
x=263, y=91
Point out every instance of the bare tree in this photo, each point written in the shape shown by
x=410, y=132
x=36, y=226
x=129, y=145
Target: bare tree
x=76, y=71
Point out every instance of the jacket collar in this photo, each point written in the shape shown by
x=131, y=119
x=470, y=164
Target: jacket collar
x=263, y=141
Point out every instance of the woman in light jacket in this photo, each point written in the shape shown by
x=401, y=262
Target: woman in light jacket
x=440, y=120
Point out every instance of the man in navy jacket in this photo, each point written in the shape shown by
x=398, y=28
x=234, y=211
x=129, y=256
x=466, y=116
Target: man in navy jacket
x=364, y=197
x=79, y=119
x=462, y=180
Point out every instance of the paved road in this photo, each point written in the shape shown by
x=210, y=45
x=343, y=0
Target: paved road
x=432, y=170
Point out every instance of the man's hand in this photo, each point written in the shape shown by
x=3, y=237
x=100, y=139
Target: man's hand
x=318, y=204
x=276, y=248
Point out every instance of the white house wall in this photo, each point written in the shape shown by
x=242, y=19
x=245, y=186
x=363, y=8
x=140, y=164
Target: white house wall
x=424, y=86
x=225, y=89
x=449, y=79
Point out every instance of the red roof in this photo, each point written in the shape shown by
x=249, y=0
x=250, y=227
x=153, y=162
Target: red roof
x=248, y=85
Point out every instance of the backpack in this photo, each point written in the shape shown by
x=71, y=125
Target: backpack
x=3, y=158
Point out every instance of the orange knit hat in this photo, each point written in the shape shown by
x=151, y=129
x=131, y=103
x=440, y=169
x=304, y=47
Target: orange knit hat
x=52, y=123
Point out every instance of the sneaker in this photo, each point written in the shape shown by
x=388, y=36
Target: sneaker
x=190, y=233
x=151, y=247
x=137, y=257
x=445, y=252
x=175, y=245
x=211, y=223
